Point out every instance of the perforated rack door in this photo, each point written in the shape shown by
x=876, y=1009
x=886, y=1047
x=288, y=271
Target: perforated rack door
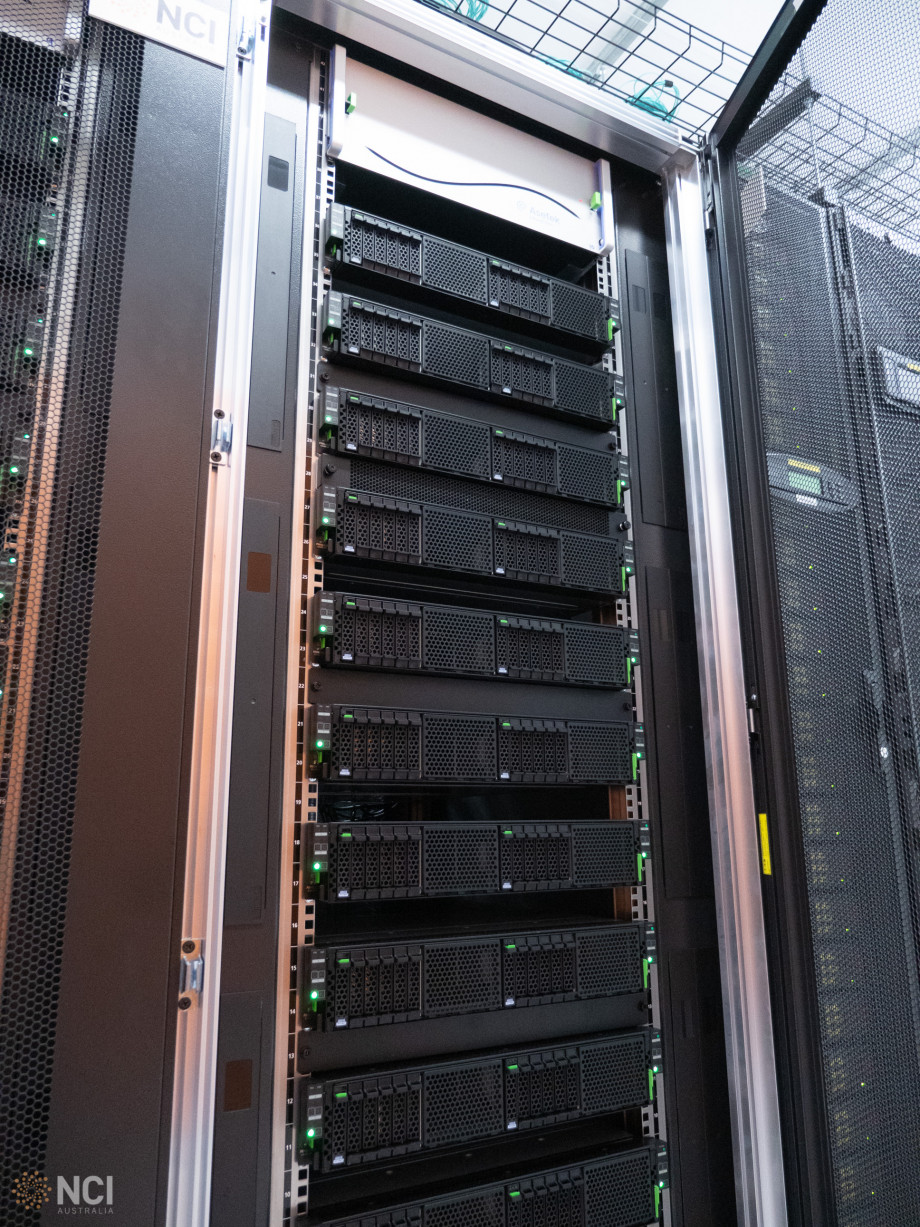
x=614, y=1191
x=68, y=122
x=366, y=241
x=347, y=1121
x=365, y=743
x=371, y=332
x=371, y=860
x=355, y=986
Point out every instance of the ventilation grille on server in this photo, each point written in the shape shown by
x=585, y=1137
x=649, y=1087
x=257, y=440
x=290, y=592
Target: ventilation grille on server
x=375, y=632
x=615, y=1191
x=363, y=743
x=383, y=429
x=419, y=534
x=365, y=241
x=376, y=985
x=372, y=1119
x=68, y=121
x=375, y=333
x=369, y=860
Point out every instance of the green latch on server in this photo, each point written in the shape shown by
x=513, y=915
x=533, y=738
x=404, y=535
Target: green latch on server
x=651, y=1085
x=612, y=327
x=639, y=866
x=657, y=1202
x=645, y=963
x=351, y=103
x=596, y=201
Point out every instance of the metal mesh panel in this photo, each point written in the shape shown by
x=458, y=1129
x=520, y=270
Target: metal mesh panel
x=66, y=155
x=531, y=648
x=460, y=357
x=453, y=268
x=459, y=747
x=379, y=636
x=603, y=852
x=463, y=1103
x=618, y=1192
x=380, y=333
x=827, y=175
x=584, y=391
x=459, y=640
x=599, y=752
x=458, y=444
x=457, y=541
x=584, y=474
x=614, y=1074
x=594, y=654
x=579, y=311
x=591, y=562
x=461, y=977
x=459, y=859
x=379, y=528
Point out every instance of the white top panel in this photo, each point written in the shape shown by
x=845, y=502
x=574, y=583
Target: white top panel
x=416, y=137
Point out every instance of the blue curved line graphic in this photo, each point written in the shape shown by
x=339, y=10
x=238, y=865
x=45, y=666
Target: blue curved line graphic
x=458, y=183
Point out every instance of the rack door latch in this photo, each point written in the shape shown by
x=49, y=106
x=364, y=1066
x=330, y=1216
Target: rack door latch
x=221, y=437
x=191, y=972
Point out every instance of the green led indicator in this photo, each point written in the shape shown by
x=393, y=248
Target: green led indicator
x=352, y=498
x=12, y=561
x=345, y=835
x=41, y=243
x=503, y=621
x=500, y=433
x=28, y=351
x=510, y=946
x=325, y=519
x=506, y=724
x=507, y=832
x=348, y=716
x=26, y=436
x=512, y=1067
x=55, y=139
x=320, y=744
x=345, y=962
x=14, y=468
x=341, y=1094
x=322, y=627
x=311, y=1133
x=515, y=1193
x=351, y=604
x=314, y=995
x=317, y=865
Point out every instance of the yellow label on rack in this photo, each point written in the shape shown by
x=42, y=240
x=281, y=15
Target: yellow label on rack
x=765, y=861
x=800, y=464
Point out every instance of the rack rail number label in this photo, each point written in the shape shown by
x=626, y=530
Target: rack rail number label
x=198, y=27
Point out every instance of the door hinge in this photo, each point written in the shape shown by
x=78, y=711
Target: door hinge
x=221, y=437
x=246, y=39
x=191, y=972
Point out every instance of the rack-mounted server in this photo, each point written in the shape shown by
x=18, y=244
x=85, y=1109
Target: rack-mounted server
x=617, y=1190
x=366, y=424
x=354, y=524
x=362, y=240
x=377, y=984
x=376, y=744
x=365, y=632
x=366, y=860
x=350, y=1120
x=358, y=329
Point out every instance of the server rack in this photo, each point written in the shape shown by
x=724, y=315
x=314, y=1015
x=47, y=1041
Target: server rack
x=821, y=418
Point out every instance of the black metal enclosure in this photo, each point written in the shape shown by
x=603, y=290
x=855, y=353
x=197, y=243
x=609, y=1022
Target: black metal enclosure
x=817, y=275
